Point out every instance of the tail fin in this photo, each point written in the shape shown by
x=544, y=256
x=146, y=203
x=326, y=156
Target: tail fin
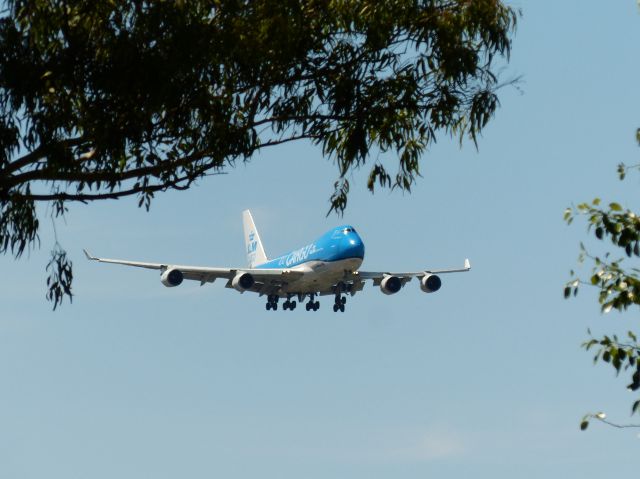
x=253, y=244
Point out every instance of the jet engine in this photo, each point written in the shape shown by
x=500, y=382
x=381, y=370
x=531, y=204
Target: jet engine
x=242, y=281
x=430, y=283
x=172, y=277
x=390, y=284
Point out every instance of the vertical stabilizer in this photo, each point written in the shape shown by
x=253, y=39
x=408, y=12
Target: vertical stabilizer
x=253, y=244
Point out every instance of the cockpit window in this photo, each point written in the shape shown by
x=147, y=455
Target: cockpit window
x=349, y=230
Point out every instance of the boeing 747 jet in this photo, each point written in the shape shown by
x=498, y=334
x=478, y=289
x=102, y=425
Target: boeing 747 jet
x=328, y=266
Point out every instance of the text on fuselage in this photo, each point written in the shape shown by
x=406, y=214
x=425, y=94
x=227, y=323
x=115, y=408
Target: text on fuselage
x=298, y=255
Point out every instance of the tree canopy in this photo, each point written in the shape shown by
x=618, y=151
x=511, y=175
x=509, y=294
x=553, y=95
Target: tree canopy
x=104, y=99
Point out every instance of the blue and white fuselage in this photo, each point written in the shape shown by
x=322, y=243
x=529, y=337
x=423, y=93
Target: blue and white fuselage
x=324, y=261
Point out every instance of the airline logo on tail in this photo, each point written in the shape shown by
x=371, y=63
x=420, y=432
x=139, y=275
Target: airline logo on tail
x=252, y=246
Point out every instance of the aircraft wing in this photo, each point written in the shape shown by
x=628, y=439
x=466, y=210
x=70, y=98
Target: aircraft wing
x=206, y=274
x=378, y=276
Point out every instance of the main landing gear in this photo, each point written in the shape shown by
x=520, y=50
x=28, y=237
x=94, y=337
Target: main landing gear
x=272, y=302
x=288, y=304
x=312, y=305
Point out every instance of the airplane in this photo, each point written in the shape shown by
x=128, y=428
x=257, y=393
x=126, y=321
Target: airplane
x=327, y=266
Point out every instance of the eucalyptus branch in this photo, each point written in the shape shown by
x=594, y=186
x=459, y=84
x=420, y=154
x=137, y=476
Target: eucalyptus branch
x=39, y=153
x=602, y=417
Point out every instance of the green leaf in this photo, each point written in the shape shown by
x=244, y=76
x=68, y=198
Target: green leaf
x=615, y=207
x=616, y=363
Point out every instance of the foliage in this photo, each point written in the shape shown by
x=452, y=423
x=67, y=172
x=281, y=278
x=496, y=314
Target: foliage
x=617, y=281
x=105, y=99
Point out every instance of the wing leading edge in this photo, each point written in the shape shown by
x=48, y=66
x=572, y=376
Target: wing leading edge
x=378, y=276
x=206, y=274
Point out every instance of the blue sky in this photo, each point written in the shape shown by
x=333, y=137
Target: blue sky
x=484, y=379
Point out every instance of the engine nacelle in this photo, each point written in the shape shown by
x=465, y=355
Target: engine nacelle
x=172, y=277
x=430, y=283
x=242, y=281
x=390, y=284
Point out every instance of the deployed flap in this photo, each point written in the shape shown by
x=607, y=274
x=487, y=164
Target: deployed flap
x=253, y=245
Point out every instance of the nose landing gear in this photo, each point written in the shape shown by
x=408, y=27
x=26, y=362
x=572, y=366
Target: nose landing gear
x=339, y=304
x=340, y=300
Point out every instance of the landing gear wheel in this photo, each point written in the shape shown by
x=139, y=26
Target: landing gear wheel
x=335, y=308
x=341, y=308
x=268, y=306
x=312, y=305
x=344, y=300
x=288, y=304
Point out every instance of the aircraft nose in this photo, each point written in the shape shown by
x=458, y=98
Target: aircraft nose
x=355, y=245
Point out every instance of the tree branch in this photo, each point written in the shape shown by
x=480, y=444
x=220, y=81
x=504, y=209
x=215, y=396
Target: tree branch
x=602, y=417
x=39, y=153
x=82, y=197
